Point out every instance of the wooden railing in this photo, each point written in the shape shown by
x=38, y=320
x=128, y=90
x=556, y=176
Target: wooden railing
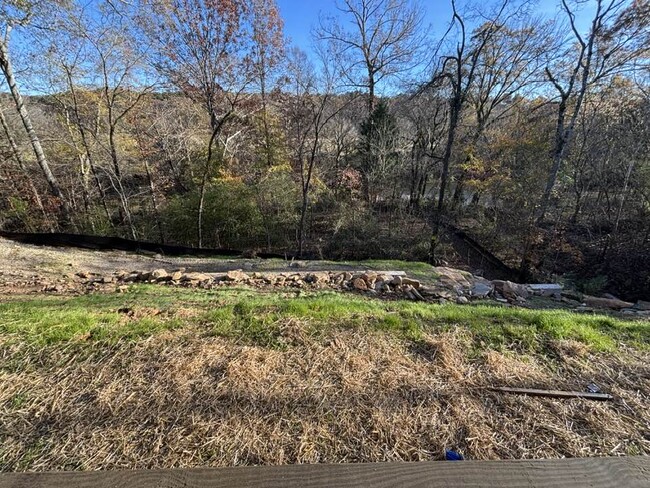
x=624, y=472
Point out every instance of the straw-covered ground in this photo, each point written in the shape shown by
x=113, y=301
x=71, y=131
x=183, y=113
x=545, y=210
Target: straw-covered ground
x=163, y=377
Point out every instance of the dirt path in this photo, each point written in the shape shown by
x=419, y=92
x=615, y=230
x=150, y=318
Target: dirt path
x=24, y=262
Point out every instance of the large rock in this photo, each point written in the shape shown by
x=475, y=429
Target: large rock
x=481, y=289
x=236, y=276
x=196, y=277
x=546, y=289
x=411, y=282
x=454, y=278
x=369, y=278
x=319, y=277
x=572, y=295
x=510, y=290
x=359, y=284
x=611, y=303
x=642, y=305
x=160, y=275
x=143, y=276
x=438, y=292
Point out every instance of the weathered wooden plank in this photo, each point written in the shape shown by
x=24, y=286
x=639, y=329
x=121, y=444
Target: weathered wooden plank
x=555, y=393
x=629, y=472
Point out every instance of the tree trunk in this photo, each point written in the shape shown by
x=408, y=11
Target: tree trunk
x=303, y=218
x=371, y=94
x=204, y=182
x=154, y=201
x=446, y=159
x=7, y=70
x=21, y=164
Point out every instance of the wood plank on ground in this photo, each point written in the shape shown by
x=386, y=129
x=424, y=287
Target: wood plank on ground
x=629, y=472
x=555, y=393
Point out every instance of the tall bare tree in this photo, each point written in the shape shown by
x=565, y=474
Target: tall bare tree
x=374, y=41
x=268, y=52
x=312, y=107
x=458, y=71
x=618, y=37
x=19, y=13
x=508, y=66
x=203, y=48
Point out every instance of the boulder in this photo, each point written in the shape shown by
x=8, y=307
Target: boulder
x=131, y=278
x=510, y=290
x=411, y=282
x=454, y=277
x=546, y=289
x=196, y=277
x=396, y=281
x=143, y=276
x=462, y=300
x=571, y=295
x=481, y=289
x=382, y=286
x=611, y=303
x=121, y=274
x=359, y=284
x=411, y=290
x=177, y=275
x=159, y=275
x=437, y=292
x=369, y=278
x=236, y=276
x=318, y=278
x=642, y=305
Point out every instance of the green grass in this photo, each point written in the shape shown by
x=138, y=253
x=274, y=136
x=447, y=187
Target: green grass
x=261, y=318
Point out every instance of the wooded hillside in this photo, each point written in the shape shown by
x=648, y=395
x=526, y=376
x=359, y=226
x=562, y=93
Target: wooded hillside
x=197, y=123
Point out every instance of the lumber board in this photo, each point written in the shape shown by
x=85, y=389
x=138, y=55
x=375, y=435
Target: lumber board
x=629, y=472
x=555, y=393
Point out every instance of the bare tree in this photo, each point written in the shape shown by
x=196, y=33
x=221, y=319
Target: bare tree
x=382, y=41
x=426, y=116
x=17, y=13
x=509, y=64
x=617, y=38
x=458, y=70
x=311, y=108
x=202, y=48
x=268, y=51
x=15, y=151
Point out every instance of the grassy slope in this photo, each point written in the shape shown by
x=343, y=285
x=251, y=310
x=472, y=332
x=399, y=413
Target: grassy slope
x=166, y=377
x=258, y=318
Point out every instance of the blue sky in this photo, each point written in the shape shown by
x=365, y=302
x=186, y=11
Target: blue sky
x=300, y=15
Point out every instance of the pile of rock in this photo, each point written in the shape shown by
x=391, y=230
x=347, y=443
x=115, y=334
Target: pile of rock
x=391, y=283
x=450, y=285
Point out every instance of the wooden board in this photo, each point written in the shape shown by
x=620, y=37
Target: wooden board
x=629, y=472
x=601, y=397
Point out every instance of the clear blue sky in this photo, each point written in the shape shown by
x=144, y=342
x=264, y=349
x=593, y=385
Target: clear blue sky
x=300, y=15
